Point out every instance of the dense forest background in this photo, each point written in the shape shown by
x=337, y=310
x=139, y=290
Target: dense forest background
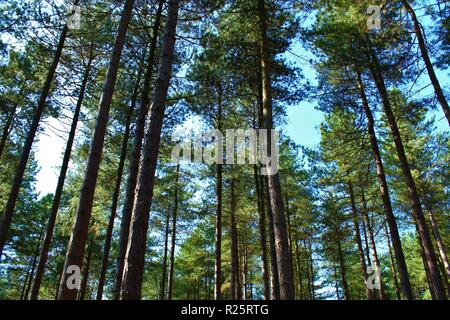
x=364, y=214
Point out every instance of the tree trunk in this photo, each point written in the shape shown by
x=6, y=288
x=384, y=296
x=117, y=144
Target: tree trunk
x=33, y=267
x=75, y=250
x=311, y=267
x=362, y=260
x=234, y=284
x=308, y=271
x=275, y=282
x=7, y=129
x=135, y=157
x=162, y=287
x=426, y=58
x=116, y=193
x=285, y=272
x=218, y=231
x=20, y=169
x=87, y=266
x=384, y=191
x=424, y=234
x=392, y=263
x=174, y=233
x=439, y=242
x=134, y=259
x=262, y=234
x=343, y=271
x=372, y=243
x=60, y=185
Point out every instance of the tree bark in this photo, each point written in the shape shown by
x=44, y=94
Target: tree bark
x=372, y=243
x=275, y=282
x=7, y=129
x=262, y=234
x=422, y=227
x=174, y=233
x=218, y=230
x=162, y=287
x=392, y=263
x=362, y=260
x=234, y=283
x=439, y=242
x=134, y=259
x=285, y=270
x=84, y=282
x=385, y=197
x=136, y=157
x=60, y=185
x=343, y=271
x=116, y=193
x=75, y=250
x=426, y=58
x=20, y=169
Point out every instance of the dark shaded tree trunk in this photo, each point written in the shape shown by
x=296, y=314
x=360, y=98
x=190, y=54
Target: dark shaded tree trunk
x=75, y=250
x=20, y=169
x=262, y=233
x=162, y=287
x=174, y=234
x=426, y=58
x=311, y=267
x=60, y=185
x=116, y=193
x=372, y=243
x=7, y=129
x=285, y=270
x=29, y=280
x=136, y=157
x=362, y=260
x=87, y=267
x=308, y=271
x=439, y=242
x=343, y=271
x=392, y=263
x=385, y=197
x=422, y=227
x=234, y=284
x=134, y=259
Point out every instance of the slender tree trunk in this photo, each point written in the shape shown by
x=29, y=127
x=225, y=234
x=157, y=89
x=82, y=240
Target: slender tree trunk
x=75, y=250
x=418, y=215
x=343, y=271
x=87, y=266
x=392, y=263
x=308, y=271
x=20, y=169
x=33, y=267
x=136, y=157
x=7, y=129
x=60, y=185
x=116, y=193
x=218, y=231
x=162, y=287
x=275, y=282
x=174, y=233
x=439, y=242
x=311, y=266
x=25, y=282
x=134, y=259
x=372, y=243
x=299, y=270
x=366, y=243
x=369, y=293
x=426, y=58
x=262, y=234
x=234, y=284
x=285, y=270
x=384, y=191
